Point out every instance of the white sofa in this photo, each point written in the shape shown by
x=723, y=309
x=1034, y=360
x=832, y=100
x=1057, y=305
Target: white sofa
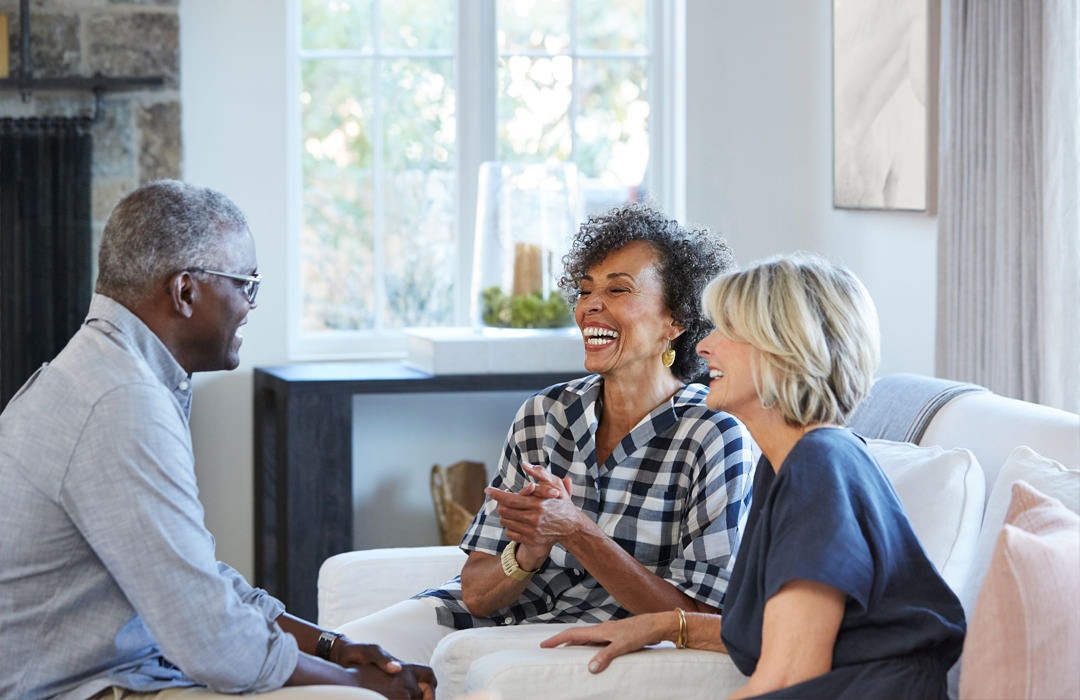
x=949, y=484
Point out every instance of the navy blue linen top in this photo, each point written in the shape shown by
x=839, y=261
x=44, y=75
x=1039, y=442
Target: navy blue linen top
x=831, y=515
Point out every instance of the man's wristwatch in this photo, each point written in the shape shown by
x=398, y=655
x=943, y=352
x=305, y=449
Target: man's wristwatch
x=326, y=643
x=510, y=565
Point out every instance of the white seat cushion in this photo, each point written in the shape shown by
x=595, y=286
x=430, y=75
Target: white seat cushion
x=457, y=651
x=661, y=672
x=508, y=662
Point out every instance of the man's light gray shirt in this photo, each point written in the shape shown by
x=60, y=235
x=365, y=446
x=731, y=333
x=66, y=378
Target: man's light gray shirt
x=107, y=571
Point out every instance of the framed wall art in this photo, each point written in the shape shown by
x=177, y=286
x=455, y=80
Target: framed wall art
x=885, y=59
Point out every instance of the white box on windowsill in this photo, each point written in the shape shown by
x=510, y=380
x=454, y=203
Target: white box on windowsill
x=495, y=350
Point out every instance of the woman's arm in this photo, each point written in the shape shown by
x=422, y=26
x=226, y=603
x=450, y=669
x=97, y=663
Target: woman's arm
x=799, y=629
x=537, y=523
x=708, y=532
x=535, y=509
x=637, y=589
x=485, y=587
x=538, y=517
x=623, y=636
x=550, y=516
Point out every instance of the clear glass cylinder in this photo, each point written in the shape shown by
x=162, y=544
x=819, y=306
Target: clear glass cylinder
x=526, y=215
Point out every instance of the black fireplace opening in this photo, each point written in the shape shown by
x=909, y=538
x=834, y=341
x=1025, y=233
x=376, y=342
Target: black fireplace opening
x=45, y=241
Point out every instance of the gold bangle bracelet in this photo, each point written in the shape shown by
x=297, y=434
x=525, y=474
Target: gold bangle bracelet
x=680, y=642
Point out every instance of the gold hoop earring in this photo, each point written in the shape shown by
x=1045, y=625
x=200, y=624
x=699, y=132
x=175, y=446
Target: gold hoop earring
x=667, y=358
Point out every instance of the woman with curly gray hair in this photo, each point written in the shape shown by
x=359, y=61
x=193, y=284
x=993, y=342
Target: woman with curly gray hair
x=686, y=259
x=621, y=492
x=617, y=493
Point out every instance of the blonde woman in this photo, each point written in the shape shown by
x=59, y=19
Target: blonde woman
x=832, y=595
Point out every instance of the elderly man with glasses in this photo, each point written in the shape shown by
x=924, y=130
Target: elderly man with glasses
x=109, y=586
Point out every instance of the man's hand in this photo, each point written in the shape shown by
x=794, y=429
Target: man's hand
x=410, y=682
x=348, y=653
x=379, y=671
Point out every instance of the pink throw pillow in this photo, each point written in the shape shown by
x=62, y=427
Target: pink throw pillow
x=1023, y=637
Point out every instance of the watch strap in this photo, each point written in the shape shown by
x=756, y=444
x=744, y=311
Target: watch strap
x=326, y=643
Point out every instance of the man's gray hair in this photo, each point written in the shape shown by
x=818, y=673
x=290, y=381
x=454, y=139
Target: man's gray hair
x=159, y=229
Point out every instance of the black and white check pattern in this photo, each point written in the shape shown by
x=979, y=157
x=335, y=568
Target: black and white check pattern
x=674, y=494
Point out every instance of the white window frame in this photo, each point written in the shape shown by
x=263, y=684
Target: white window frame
x=476, y=51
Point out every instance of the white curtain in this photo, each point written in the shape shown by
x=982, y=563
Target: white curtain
x=1009, y=232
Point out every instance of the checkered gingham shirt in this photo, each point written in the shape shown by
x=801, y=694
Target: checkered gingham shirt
x=674, y=494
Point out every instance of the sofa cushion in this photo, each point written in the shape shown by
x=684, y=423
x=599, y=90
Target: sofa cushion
x=457, y=651
x=1042, y=474
x=509, y=663
x=942, y=492
x=1024, y=636
x=662, y=672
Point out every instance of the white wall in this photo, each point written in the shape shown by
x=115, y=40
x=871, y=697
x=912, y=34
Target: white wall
x=233, y=105
x=760, y=164
x=759, y=145
x=391, y=497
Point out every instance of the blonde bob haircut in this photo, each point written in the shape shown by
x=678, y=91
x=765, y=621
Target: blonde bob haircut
x=814, y=329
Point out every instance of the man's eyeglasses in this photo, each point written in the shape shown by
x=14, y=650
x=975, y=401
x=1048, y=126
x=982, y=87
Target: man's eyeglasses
x=251, y=282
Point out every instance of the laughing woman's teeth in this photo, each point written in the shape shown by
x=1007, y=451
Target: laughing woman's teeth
x=599, y=336
x=715, y=374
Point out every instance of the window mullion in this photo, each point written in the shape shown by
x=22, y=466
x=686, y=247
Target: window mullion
x=379, y=173
x=575, y=85
x=476, y=129
x=667, y=96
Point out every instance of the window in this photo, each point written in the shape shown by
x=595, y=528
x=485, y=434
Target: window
x=401, y=101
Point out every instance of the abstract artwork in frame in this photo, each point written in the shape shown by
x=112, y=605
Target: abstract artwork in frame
x=885, y=104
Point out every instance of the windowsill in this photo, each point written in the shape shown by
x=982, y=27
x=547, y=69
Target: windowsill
x=454, y=350
x=485, y=350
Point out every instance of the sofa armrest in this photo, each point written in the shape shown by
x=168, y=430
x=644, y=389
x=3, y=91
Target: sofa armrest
x=354, y=584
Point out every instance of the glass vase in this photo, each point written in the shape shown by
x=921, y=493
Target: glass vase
x=526, y=215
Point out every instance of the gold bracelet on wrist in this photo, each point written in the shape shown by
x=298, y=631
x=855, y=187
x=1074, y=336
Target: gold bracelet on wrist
x=510, y=565
x=680, y=641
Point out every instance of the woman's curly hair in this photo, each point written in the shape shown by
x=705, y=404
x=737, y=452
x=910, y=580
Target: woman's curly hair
x=688, y=259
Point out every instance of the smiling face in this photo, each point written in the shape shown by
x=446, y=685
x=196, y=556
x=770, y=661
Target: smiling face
x=732, y=385
x=216, y=338
x=621, y=312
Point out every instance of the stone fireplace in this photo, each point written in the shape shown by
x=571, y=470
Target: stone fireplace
x=67, y=154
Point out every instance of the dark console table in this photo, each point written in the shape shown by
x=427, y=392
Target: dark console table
x=303, y=460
